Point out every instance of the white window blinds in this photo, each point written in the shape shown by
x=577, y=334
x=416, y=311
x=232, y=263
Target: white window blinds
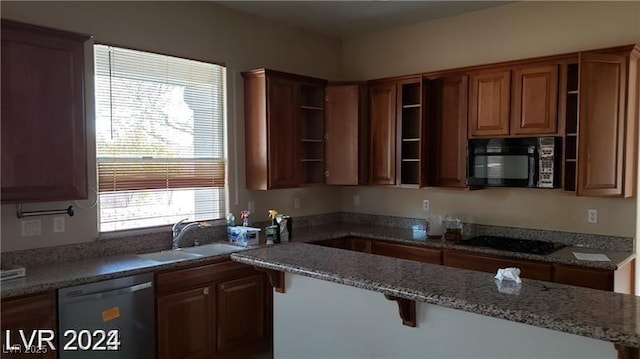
x=160, y=139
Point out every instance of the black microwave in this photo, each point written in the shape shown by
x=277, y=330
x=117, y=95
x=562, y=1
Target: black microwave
x=514, y=162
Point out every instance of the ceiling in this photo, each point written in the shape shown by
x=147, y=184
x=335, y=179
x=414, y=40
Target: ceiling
x=347, y=18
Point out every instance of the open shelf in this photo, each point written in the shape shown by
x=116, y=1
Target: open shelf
x=571, y=129
x=312, y=132
x=410, y=133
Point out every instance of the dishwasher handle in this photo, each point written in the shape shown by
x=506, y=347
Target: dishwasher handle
x=81, y=297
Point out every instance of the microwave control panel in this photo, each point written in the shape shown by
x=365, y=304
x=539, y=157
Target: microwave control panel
x=546, y=162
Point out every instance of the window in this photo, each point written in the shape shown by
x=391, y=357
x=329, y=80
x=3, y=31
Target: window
x=160, y=139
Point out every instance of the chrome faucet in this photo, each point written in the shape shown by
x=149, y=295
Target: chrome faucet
x=178, y=232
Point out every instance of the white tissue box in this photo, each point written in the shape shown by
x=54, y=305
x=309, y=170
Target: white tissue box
x=243, y=236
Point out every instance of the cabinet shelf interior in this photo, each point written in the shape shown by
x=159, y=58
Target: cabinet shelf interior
x=312, y=140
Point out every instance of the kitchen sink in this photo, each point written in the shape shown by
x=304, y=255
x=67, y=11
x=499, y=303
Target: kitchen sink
x=169, y=256
x=213, y=249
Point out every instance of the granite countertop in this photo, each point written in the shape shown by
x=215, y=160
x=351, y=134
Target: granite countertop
x=418, y=238
x=65, y=274
x=591, y=313
x=48, y=276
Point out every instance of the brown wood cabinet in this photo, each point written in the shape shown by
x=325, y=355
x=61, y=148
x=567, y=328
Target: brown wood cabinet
x=43, y=114
x=491, y=264
x=448, y=138
x=284, y=129
x=535, y=100
x=619, y=281
x=382, y=129
x=347, y=132
x=240, y=315
x=186, y=324
x=414, y=253
x=607, y=124
x=489, y=96
x=29, y=313
x=220, y=310
x=411, y=142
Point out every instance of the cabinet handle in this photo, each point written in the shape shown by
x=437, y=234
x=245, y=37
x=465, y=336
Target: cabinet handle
x=326, y=173
x=326, y=136
x=205, y=291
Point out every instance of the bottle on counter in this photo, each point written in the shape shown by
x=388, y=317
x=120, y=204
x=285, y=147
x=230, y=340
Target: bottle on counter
x=272, y=231
x=231, y=222
x=244, y=215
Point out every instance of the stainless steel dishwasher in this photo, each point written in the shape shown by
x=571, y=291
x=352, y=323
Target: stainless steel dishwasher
x=90, y=315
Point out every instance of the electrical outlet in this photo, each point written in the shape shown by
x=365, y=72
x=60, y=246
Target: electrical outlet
x=31, y=227
x=425, y=205
x=296, y=203
x=251, y=207
x=58, y=224
x=592, y=215
x=356, y=200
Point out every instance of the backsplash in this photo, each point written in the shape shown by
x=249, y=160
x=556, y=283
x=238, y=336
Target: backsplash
x=156, y=241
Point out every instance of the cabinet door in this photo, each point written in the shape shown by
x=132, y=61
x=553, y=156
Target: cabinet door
x=28, y=313
x=489, y=104
x=601, y=125
x=583, y=277
x=282, y=108
x=425, y=255
x=449, y=117
x=186, y=324
x=241, y=315
x=344, y=137
x=382, y=140
x=43, y=114
x=535, y=101
x=486, y=263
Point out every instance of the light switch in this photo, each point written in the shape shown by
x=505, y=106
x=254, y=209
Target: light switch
x=31, y=227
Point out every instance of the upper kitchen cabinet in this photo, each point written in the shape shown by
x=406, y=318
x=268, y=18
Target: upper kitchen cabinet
x=535, y=100
x=410, y=135
x=382, y=133
x=608, y=123
x=396, y=132
x=284, y=129
x=43, y=113
x=447, y=117
x=489, y=106
x=346, y=140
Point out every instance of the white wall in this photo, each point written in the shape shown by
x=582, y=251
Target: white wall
x=513, y=31
x=199, y=30
x=319, y=319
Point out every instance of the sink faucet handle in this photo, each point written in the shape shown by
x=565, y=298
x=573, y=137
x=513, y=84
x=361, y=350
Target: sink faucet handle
x=176, y=227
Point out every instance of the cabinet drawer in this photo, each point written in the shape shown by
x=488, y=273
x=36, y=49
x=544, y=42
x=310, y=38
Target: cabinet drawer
x=360, y=244
x=485, y=263
x=425, y=255
x=583, y=277
x=197, y=276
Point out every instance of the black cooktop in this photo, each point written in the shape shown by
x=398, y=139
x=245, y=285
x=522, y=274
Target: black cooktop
x=531, y=246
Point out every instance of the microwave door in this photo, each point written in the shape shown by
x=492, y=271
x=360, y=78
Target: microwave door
x=504, y=170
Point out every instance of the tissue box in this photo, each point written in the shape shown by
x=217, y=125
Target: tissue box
x=243, y=236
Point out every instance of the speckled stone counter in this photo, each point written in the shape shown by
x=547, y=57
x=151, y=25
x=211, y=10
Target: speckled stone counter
x=591, y=313
x=59, y=275
x=105, y=260
x=418, y=238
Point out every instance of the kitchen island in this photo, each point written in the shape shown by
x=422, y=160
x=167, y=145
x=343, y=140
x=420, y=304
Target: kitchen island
x=334, y=306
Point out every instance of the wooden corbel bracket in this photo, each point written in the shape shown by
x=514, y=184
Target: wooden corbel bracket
x=276, y=278
x=406, y=308
x=627, y=352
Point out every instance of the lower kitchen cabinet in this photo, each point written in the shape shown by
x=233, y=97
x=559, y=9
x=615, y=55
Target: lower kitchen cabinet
x=241, y=318
x=491, y=264
x=28, y=313
x=220, y=310
x=186, y=322
x=619, y=281
x=420, y=254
